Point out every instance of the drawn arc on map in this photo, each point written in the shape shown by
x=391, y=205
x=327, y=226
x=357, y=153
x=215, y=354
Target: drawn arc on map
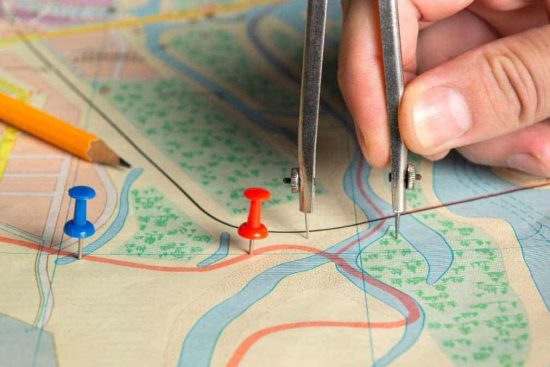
x=161, y=170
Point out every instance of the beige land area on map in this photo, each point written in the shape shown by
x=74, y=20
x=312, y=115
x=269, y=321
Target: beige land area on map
x=106, y=315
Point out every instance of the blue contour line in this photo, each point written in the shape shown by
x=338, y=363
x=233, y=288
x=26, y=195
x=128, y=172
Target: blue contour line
x=282, y=68
x=153, y=32
x=317, y=260
x=438, y=275
x=410, y=330
x=225, y=97
x=362, y=249
x=544, y=300
x=351, y=191
x=117, y=224
x=403, y=347
x=492, y=183
x=530, y=237
x=203, y=358
x=436, y=176
x=347, y=177
x=208, y=354
x=221, y=252
x=403, y=344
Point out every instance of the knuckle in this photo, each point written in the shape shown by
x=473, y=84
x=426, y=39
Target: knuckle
x=475, y=153
x=436, y=156
x=540, y=150
x=513, y=87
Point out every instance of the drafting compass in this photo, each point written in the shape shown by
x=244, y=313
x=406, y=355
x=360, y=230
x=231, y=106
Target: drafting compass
x=403, y=174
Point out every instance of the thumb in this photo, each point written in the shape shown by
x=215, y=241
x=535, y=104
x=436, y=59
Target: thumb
x=487, y=92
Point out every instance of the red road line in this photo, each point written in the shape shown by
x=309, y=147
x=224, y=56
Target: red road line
x=359, y=184
x=161, y=268
x=412, y=308
x=194, y=269
x=335, y=258
x=245, y=346
x=414, y=312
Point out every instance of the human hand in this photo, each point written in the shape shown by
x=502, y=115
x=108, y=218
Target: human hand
x=477, y=75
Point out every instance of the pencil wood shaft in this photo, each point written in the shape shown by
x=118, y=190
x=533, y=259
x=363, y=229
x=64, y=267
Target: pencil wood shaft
x=56, y=131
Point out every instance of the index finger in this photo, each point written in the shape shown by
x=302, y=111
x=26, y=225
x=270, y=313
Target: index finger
x=360, y=73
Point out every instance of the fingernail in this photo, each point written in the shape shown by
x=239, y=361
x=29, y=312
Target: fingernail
x=440, y=116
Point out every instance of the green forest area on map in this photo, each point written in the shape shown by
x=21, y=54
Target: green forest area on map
x=202, y=97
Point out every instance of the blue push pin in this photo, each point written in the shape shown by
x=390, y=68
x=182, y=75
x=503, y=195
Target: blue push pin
x=79, y=227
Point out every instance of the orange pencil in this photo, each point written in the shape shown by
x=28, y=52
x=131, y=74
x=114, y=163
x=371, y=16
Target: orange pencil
x=57, y=132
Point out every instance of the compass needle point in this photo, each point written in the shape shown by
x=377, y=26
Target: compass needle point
x=306, y=219
x=397, y=219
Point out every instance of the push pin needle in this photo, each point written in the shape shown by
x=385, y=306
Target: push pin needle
x=80, y=249
x=79, y=227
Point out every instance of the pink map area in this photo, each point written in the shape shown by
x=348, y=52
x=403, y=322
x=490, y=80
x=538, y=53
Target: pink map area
x=45, y=14
x=105, y=55
x=33, y=189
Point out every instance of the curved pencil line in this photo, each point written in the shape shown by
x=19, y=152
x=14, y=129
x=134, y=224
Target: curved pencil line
x=124, y=135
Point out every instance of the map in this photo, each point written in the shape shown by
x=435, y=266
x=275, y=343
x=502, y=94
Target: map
x=201, y=97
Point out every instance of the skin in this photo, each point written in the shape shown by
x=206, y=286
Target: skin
x=477, y=79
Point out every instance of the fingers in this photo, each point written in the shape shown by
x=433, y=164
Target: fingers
x=431, y=10
x=361, y=80
x=526, y=150
x=360, y=73
x=448, y=38
x=345, y=6
x=506, y=5
x=521, y=16
x=488, y=92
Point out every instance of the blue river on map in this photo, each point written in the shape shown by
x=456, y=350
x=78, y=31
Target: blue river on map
x=528, y=212
x=199, y=344
x=22, y=344
x=116, y=225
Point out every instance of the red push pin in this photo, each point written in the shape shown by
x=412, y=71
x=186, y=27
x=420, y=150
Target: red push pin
x=253, y=229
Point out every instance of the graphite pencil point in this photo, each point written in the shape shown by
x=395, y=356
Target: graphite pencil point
x=124, y=163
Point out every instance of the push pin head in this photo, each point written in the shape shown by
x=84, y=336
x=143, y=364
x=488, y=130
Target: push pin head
x=253, y=229
x=79, y=227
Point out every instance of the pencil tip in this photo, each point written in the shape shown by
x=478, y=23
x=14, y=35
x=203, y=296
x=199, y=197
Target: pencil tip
x=123, y=163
